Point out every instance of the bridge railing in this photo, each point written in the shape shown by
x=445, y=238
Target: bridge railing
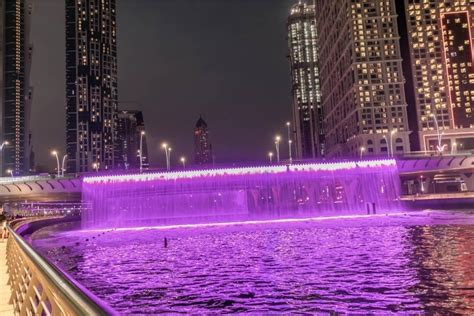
x=39, y=288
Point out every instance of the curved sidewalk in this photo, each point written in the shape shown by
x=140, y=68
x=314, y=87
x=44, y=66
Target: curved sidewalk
x=5, y=293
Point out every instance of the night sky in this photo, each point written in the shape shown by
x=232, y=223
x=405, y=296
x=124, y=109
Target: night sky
x=224, y=59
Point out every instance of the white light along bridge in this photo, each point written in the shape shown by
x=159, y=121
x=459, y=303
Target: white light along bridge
x=421, y=178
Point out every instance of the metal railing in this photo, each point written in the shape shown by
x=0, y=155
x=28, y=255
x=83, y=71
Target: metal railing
x=39, y=288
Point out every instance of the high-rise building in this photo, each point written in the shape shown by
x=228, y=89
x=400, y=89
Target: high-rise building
x=441, y=59
x=15, y=92
x=362, y=84
x=91, y=84
x=202, y=144
x=303, y=57
x=130, y=135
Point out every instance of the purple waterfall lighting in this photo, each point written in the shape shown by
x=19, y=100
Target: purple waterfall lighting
x=240, y=194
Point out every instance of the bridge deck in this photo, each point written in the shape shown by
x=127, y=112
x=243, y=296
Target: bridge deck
x=5, y=307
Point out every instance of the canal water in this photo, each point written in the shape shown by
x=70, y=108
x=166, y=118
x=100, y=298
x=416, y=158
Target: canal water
x=416, y=263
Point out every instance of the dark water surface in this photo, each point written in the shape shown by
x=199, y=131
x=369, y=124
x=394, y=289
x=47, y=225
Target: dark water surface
x=419, y=263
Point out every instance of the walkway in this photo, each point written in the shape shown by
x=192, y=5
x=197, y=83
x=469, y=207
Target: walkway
x=5, y=308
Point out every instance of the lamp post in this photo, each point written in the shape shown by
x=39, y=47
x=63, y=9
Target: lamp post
x=63, y=165
x=5, y=143
x=95, y=166
x=10, y=171
x=392, y=132
x=454, y=148
x=183, y=161
x=440, y=149
x=141, y=151
x=277, y=147
x=55, y=153
x=386, y=142
x=270, y=156
x=288, y=125
x=362, y=150
x=168, y=155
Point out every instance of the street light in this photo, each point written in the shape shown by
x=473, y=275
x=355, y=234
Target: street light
x=454, y=148
x=183, y=161
x=141, y=150
x=270, y=156
x=386, y=142
x=55, y=153
x=288, y=125
x=440, y=148
x=10, y=171
x=362, y=150
x=277, y=147
x=95, y=166
x=5, y=143
x=392, y=132
x=168, y=155
x=63, y=165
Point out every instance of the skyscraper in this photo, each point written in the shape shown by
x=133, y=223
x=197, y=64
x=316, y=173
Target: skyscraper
x=303, y=57
x=15, y=92
x=441, y=59
x=202, y=144
x=362, y=84
x=130, y=133
x=91, y=84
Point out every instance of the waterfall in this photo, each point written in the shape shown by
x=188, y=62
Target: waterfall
x=239, y=194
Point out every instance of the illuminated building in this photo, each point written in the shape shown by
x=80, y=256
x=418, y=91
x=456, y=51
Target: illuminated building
x=91, y=84
x=130, y=126
x=15, y=92
x=303, y=57
x=362, y=85
x=202, y=144
x=440, y=43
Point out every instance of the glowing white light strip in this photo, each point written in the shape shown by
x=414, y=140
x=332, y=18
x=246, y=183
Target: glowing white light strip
x=242, y=171
x=259, y=222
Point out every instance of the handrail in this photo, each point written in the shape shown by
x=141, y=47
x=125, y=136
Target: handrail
x=39, y=288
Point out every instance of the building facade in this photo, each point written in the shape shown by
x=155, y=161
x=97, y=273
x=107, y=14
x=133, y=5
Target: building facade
x=441, y=59
x=362, y=83
x=15, y=92
x=131, y=138
x=91, y=85
x=202, y=144
x=303, y=58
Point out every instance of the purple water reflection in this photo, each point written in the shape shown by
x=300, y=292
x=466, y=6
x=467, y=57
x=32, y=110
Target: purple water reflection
x=416, y=264
x=223, y=195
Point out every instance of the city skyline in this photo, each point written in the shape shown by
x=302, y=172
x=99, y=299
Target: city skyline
x=239, y=90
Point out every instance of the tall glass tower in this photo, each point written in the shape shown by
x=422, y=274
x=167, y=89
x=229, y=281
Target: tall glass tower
x=303, y=57
x=91, y=84
x=15, y=92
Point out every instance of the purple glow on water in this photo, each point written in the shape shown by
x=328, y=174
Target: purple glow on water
x=419, y=263
x=240, y=194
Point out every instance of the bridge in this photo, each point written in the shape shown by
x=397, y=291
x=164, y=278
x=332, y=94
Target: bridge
x=438, y=179
x=421, y=178
x=40, y=188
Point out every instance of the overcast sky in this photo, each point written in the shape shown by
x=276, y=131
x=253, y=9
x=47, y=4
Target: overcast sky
x=224, y=59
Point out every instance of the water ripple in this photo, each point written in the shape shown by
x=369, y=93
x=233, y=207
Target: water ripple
x=414, y=265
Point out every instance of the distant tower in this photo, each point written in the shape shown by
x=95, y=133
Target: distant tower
x=130, y=125
x=91, y=84
x=15, y=92
x=303, y=58
x=202, y=144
